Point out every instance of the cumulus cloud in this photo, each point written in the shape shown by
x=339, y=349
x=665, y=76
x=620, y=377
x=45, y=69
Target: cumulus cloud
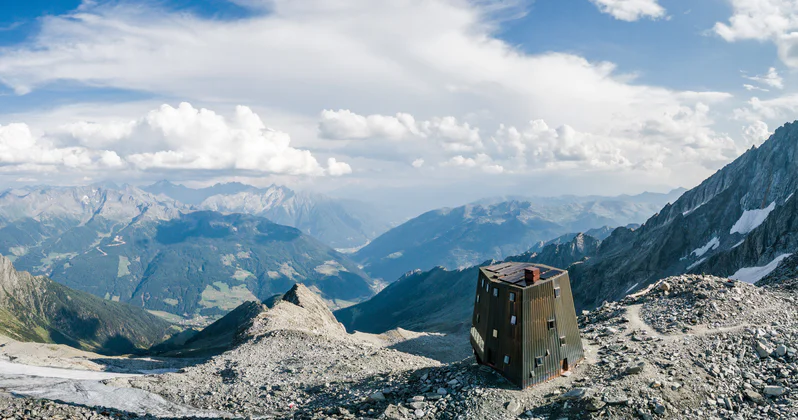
x=336, y=168
x=167, y=138
x=452, y=77
x=764, y=20
x=631, y=10
x=780, y=108
x=23, y=151
x=772, y=79
x=453, y=135
x=481, y=161
x=756, y=133
x=681, y=134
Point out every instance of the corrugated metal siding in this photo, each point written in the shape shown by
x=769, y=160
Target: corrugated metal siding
x=540, y=338
x=531, y=336
x=567, y=324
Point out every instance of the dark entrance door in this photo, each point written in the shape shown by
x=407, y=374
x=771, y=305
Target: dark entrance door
x=565, y=365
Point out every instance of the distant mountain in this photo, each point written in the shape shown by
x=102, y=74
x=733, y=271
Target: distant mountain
x=40, y=310
x=442, y=300
x=117, y=242
x=467, y=235
x=41, y=225
x=203, y=263
x=195, y=196
x=336, y=222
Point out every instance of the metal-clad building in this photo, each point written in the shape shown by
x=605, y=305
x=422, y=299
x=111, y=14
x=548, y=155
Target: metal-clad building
x=524, y=323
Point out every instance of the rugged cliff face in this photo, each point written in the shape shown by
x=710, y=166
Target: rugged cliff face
x=38, y=309
x=741, y=218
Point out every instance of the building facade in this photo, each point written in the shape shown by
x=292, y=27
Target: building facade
x=524, y=323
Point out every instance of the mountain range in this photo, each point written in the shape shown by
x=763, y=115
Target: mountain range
x=740, y=223
x=442, y=299
x=494, y=229
x=337, y=222
x=122, y=243
x=206, y=263
x=35, y=308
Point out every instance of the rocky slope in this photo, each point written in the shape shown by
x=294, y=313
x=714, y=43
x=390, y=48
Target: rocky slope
x=206, y=264
x=688, y=347
x=441, y=299
x=467, y=235
x=739, y=222
x=40, y=310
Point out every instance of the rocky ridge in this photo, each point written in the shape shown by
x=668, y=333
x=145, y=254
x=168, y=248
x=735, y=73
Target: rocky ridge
x=687, y=347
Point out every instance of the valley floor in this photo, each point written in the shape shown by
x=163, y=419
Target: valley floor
x=692, y=347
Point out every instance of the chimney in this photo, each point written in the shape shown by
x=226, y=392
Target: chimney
x=531, y=274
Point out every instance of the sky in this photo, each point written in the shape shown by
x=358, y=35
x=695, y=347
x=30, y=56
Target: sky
x=433, y=101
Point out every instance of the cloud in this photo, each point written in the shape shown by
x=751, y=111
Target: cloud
x=631, y=10
x=756, y=133
x=336, y=168
x=167, y=138
x=23, y=151
x=764, y=20
x=453, y=79
x=481, y=161
x=452, y=134
x=778, y=109
x=680, y=135
x=772, y=79
x=752, y=87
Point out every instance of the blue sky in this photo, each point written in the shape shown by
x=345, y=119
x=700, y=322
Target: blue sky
x=469, y=98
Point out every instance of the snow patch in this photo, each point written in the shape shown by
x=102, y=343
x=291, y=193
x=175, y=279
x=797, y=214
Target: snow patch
x=9, y=368
x=754, y=274
x=630, y=289
x=685, y=213
x=751, y=219
x=712, y=244
x=695, y=264
x=788, y=197
x=738, y=244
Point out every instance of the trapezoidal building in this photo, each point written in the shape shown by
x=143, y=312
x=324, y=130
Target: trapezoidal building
x=524, y=323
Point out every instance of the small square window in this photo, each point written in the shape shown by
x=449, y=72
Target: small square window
x=477, y=318
x=495, y=291
x=562, y=341
x=513, y=320
x=539, y=361
x=506, y=360
x=477, y=298
x=487, y=287
x=548, y=353
x=512, y=297
x=495, y=334
x=550, y=324
x=483, y=282
x=556, y=292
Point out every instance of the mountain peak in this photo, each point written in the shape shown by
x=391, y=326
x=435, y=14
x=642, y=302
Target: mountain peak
x=300, y=309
